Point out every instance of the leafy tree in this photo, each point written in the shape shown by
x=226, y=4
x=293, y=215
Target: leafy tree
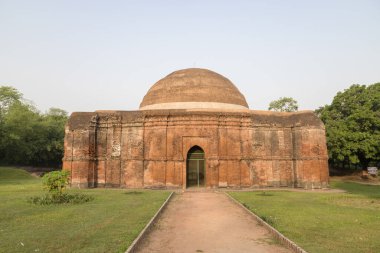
x=353, y=125
x=284, y=104
x=53, y=123
x=22, y=134
x=28, y=137
x=8, y=96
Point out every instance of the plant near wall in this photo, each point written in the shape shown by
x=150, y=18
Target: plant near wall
x=55, y=183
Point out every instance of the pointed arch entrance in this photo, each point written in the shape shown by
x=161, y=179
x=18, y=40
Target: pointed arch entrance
x=195, y=167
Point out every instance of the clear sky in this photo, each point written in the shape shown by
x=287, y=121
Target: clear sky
x=89, y=55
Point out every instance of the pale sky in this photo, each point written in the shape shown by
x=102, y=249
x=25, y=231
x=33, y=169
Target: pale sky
x=91, y=55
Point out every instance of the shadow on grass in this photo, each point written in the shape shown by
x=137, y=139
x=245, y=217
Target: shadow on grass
x=265, y=194
x=133, y=192
x=370, y=191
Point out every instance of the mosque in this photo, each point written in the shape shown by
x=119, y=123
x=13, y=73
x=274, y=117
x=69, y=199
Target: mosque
x=194, y=129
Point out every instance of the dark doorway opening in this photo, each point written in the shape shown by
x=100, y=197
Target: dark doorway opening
x=195, y=167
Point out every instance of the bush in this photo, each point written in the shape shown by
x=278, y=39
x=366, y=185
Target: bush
x=64, y=198
x=56, y=181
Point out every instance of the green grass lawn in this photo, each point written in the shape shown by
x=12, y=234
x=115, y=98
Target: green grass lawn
x=109, y=223
x=322, y=222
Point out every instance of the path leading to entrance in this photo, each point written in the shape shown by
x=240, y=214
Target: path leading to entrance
x=207, y=222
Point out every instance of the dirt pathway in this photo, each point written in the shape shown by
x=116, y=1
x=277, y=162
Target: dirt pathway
x=207, y=222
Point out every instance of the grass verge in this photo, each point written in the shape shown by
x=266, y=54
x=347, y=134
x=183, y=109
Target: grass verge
x=322, y=222
x=109, y=223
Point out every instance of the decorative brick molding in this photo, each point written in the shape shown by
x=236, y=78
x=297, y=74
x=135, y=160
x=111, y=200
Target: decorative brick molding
x=137, y=242
x=280, y=237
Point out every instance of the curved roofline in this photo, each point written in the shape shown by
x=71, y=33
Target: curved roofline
x=192, y=105
x=193, y=88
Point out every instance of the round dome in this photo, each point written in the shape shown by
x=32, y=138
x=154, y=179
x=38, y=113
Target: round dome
x=191, y=89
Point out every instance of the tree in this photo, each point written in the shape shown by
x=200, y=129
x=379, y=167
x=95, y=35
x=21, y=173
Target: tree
x=8, y=96
x=28, y=137
x=284, y=104
x=21, y=135
x=353, y=125
x=53, y=124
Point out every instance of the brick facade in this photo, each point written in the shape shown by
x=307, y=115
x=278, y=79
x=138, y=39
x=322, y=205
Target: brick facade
x=243, y=148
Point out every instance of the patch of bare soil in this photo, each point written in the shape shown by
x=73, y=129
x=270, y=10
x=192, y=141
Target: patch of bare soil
x=208, y=222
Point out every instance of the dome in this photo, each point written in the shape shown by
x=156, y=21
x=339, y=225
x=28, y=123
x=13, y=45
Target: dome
x=193, y=88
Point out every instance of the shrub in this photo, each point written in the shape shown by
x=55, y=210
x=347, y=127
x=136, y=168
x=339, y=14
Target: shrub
x=56, y=181
x=64, y=198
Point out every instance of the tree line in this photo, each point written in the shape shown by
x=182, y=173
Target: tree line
x=352, y=121
x=27, y=136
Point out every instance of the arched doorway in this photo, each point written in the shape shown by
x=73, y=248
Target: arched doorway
x=195, y=167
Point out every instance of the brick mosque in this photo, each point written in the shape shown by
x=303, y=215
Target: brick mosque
x=194, y=129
